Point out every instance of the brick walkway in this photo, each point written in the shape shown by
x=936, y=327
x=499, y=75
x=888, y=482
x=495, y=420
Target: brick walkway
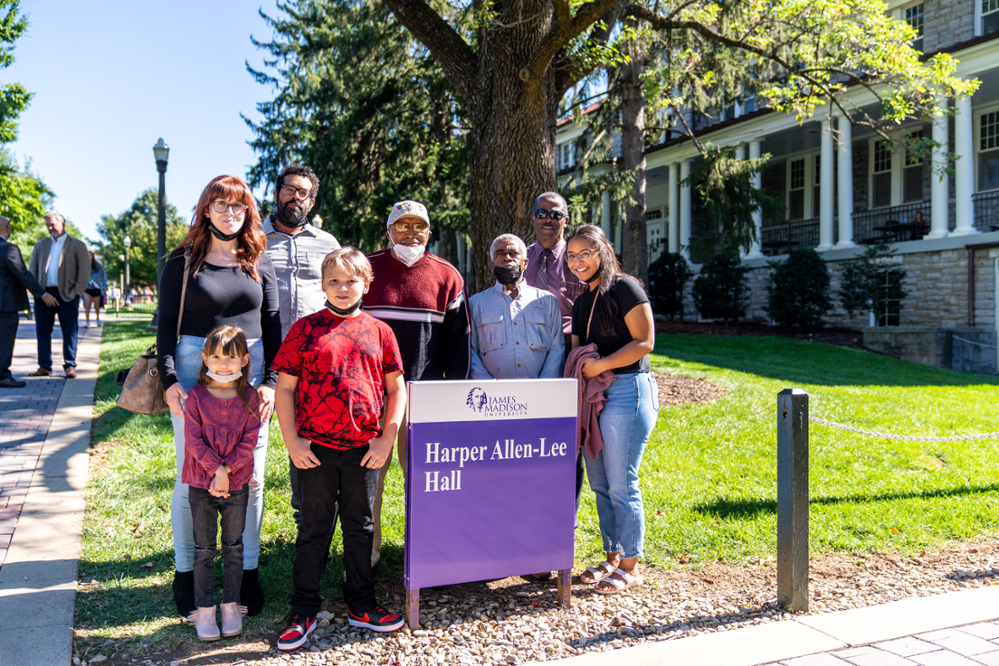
x=25, y=416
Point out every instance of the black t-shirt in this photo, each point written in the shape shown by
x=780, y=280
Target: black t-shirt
x=218, y=295
x=608, y=329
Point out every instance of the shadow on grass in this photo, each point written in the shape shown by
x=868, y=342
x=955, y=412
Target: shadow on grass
x=750, y=508
x=803, y=362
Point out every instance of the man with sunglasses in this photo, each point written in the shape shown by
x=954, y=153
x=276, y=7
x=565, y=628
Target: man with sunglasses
x=422, y=298
x=546, y=270
x=297, y=249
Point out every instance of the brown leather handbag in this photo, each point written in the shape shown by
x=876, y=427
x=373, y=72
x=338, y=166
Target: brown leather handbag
x=141, y=386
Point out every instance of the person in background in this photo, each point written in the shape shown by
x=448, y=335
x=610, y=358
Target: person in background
x=61, y=264
x=614, y=319
x=422, y=298
x=231, y=282
x=297, y=250
x=14, y=280
x=94, y=293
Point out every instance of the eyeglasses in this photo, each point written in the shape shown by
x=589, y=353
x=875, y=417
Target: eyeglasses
x=585, y=255
x=238, y=209
x=418, y=227
x=297, y=192
x=553, y=215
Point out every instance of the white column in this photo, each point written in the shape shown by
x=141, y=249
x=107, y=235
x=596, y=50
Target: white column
x=605, y=224
x=844, y=183
x=964, y=170
x=618, y=228
x=468, y=258
x=825, y=189
x=754, y=249
x=673, y=231
x=685, y=209
x=939, y=190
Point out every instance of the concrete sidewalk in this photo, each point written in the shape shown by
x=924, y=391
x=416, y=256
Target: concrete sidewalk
x=38, y=576
x=954, y=629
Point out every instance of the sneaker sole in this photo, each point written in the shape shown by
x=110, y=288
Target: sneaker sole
x=286, y=647
x=380, y=628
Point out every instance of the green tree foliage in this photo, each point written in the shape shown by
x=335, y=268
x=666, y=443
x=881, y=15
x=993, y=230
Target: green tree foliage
x=13, y=97
x=871, y=281
x=798, y=291
x=139, y=223
x=721, y=291
x=363, y=104
x=668, y=277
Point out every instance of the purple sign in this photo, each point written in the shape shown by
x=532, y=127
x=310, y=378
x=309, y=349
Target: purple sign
x=490, y=489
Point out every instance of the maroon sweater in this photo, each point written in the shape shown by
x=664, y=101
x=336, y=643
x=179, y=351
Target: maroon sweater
x=218, y=431
x=426, y=308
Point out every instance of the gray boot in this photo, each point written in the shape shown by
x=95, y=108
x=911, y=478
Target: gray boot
x=232, y=619
x=203, y=620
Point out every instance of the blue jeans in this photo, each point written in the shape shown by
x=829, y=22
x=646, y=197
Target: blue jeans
x=626, y=422
x=206, y=509
x=68, y=313
x=187, y=360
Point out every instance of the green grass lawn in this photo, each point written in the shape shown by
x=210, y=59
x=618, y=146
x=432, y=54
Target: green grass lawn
x=708, y=477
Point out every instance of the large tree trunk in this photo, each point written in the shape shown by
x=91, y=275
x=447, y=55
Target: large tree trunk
x=634, y=251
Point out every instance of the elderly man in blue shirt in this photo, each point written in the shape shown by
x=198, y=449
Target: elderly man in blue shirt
x=516, y=328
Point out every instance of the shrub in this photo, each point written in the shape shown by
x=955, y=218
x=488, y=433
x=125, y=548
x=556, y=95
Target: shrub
x=798, y=292
x=872, y=282
x=721, y=290
x=668, y=276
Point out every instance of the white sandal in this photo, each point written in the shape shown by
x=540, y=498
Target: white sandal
x=625, y=582
x=597, y=573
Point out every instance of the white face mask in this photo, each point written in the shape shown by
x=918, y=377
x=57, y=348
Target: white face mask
x=224, y=379
x=408, y=254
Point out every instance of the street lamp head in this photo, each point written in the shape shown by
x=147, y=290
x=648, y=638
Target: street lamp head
x=161, y=151
x=317, y=222
x=128, y=242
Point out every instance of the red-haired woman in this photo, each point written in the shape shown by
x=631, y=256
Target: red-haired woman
x=230, y=282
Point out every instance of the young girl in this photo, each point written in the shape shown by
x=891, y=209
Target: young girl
x=220, y=432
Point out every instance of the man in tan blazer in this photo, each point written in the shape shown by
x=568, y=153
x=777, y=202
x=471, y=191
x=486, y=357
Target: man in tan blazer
x=61, y=264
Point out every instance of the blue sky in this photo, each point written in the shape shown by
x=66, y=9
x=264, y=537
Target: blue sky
x=109, y=78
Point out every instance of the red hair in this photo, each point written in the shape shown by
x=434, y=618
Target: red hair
x=250, y=241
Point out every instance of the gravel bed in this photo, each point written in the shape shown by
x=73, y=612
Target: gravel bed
x=511, y=622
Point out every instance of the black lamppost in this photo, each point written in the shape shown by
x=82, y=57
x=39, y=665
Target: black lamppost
x=161, y=152
x=128, y=275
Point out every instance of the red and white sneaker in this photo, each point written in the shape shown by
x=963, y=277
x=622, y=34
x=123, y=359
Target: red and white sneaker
x=377, y=619
x=296, y=634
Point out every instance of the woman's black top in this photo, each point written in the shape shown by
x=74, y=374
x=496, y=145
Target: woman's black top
x=218, y=296
x=608, y=329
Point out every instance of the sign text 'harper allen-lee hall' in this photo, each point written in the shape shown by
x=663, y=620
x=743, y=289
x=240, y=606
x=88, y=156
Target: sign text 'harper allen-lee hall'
x=490, y=488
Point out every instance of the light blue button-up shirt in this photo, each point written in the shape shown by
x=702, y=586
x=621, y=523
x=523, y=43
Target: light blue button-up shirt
x=55, y=256
x=516, y=338
x=298, y=262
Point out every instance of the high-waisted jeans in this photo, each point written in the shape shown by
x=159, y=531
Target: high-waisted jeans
x=187, y=360
x=626, y=422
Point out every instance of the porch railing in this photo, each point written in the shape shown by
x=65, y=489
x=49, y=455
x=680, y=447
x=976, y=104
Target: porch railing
x=892, y=224
x=987, y=210
x=783, y=237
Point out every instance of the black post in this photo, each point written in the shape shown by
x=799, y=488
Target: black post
x=161, y=166
x=792, y=500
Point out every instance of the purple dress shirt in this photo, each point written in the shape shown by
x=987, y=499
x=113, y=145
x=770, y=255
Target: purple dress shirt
x=563, y=284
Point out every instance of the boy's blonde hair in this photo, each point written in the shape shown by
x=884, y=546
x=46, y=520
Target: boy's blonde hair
x=350, y=260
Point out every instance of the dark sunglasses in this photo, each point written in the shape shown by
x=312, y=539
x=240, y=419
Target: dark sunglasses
x=553, y=215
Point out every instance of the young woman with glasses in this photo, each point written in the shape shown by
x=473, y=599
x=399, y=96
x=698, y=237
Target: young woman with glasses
x=615, y=315
x=230, y=282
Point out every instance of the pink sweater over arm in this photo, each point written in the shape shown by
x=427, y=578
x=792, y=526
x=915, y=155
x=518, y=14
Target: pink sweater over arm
x=590, y=399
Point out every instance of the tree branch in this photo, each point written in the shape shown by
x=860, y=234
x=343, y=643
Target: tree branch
x=455, y=56
x=563, y=33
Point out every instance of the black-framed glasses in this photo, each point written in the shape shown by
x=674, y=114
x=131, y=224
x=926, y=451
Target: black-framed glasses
x=297, y=192
x=238, y=209
x=553, y=215
x=403, y=227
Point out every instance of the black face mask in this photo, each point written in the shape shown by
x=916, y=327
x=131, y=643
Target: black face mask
x=593, y=277
x=343, y=312
x=509, y=275
x=221, y=236
x=289, y=218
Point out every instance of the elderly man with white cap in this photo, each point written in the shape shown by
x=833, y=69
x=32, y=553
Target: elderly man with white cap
x=422, y=298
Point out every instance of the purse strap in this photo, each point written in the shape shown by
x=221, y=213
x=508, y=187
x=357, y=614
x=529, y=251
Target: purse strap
x=590, y=319
x=183, y=289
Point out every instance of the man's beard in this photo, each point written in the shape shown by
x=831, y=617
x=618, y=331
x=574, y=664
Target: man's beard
x=291, y=218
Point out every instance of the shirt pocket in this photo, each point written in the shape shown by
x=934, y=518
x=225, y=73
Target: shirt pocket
x=536, y=328
x=492, y=335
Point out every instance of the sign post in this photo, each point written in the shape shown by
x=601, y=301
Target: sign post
x=490, y=487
